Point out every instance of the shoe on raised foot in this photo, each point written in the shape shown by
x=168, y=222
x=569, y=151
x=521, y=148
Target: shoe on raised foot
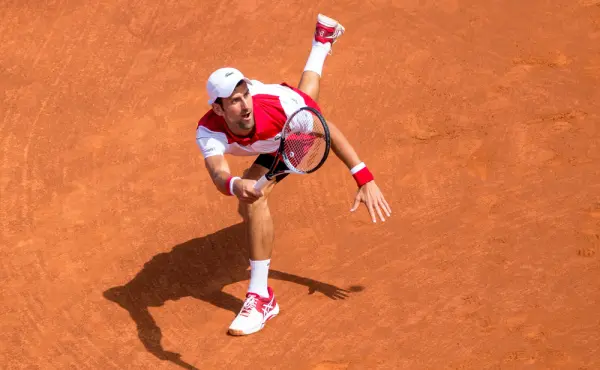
x=254, y=314
x=328, y=30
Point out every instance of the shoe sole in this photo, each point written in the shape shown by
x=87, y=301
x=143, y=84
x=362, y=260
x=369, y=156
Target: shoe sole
x=238, y=333
x=327, y=21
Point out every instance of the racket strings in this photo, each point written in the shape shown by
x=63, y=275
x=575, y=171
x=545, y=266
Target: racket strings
x=305, y=142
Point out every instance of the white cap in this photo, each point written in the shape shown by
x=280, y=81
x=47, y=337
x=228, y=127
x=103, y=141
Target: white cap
x=221, y=83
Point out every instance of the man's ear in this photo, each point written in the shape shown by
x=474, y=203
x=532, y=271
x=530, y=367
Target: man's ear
x=218, y=109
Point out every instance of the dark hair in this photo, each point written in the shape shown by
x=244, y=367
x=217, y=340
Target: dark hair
x=220, y=100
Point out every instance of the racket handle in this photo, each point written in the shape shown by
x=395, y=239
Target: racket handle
x=261, y=183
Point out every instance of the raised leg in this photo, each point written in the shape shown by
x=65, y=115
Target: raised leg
x=327, y=32
x=310, y=84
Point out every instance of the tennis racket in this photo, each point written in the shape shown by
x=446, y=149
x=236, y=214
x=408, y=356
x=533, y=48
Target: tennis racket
x=304, y=145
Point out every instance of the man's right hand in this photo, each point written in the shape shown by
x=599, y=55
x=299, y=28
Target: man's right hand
x=244, y=190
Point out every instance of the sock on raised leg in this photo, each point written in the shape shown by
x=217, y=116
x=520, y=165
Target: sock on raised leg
x=317, y=56
x=259, y=274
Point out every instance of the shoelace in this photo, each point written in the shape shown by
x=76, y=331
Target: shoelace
x=248, y=305
x=336, y=33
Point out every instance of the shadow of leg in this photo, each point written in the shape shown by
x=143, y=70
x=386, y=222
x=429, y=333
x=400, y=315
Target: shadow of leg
x=198, y=268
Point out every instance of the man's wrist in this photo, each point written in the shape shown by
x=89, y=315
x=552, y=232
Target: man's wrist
x=361, y=174
x=229, y=184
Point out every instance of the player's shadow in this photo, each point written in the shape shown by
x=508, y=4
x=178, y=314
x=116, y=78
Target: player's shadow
x=198, y=268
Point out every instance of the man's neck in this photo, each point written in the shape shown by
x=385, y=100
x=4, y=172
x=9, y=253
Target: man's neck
x=241, y=132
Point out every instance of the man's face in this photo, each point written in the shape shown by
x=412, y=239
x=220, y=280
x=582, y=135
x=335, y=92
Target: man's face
x=237, y=110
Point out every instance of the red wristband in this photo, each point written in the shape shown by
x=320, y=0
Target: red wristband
x=361, y=174
x=229, y=185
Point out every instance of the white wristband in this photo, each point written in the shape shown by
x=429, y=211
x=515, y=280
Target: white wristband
x=231, y=183
x=357, y=168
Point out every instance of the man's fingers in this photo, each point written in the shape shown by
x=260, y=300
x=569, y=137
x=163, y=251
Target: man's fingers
x=253, y=193
x=356, y=203
x=379, y=212
x=249, y=198
x=386, y=206
x=383, y=205
x=371, y=211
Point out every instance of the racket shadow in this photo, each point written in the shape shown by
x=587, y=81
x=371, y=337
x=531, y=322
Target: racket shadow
x=198, y=268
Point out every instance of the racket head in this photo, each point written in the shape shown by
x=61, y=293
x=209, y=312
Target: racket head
x=305, y=141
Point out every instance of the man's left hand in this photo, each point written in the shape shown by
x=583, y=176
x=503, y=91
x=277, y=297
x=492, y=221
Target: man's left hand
x=371, y=196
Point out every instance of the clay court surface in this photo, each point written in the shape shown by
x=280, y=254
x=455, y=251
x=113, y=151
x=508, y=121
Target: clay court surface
x=480, y=120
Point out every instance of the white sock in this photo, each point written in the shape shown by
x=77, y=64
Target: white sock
x=259, y=274
x=317, y=56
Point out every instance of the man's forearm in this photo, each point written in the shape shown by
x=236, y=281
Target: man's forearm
x=342, y=147
x=220, y=179
x=346, y=153
x=219, y=173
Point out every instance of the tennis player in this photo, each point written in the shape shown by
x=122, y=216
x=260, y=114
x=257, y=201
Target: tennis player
x=246, y=119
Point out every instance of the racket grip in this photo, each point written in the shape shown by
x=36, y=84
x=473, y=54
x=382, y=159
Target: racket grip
x=261, y=183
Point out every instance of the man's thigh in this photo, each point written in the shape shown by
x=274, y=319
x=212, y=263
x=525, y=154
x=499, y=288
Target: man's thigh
x=259, y=168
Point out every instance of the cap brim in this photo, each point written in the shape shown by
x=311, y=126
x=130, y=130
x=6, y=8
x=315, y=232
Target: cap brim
x=247, y=80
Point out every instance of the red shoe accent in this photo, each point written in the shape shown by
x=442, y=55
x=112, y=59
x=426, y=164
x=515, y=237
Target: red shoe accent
x=327, y=29
x=264, y=305
x=324, y=34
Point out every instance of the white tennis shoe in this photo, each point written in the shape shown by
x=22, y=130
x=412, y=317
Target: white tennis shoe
x=254, y=314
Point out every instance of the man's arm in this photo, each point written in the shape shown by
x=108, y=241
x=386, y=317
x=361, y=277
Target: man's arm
x=368, y=191
x=219, y=172
x=342, y=148
x=346, y=153
x=218, y=168
x=213, y=146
